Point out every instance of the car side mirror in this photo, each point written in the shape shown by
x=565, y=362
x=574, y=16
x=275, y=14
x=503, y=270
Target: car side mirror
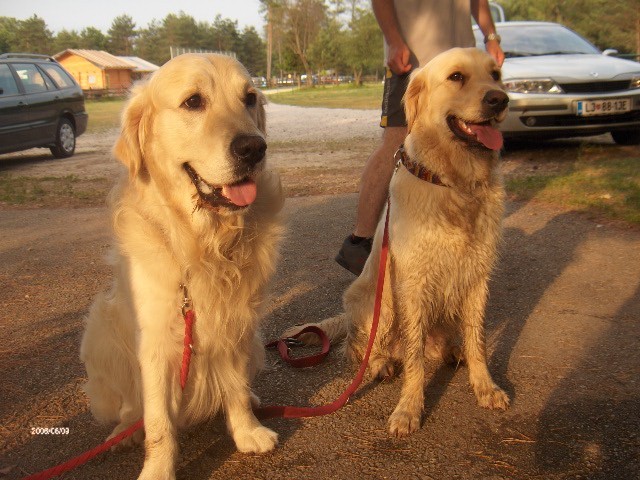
x=609, y=52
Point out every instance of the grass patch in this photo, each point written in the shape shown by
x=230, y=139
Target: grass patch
x=368, y=96
x=69, y=190
x=104, y=114
x=601, y=182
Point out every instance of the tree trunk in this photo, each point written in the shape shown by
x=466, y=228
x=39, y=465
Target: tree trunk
x=269, y=44
x=357, y=77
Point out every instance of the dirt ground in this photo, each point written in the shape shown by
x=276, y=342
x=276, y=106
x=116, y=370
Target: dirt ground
x=563, y=331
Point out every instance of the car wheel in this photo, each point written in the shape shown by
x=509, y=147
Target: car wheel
x=626, y=137
x=65, y=144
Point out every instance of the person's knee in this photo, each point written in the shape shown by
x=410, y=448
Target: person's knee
x=394, y=135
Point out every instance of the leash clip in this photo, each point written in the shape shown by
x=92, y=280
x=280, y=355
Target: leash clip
x=186, y=300
x=292, y=342
x=398, y=158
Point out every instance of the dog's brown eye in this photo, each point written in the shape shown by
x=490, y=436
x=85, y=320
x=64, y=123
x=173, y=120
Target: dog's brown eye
x=194, y=102
x=251, y=99
x=456, y=77
x=496, y=75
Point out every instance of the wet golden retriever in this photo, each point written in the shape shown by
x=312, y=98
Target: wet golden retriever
x=196, y=217
x=445, y=222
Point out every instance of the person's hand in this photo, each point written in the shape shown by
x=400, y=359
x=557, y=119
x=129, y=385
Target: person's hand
x=398, y=60
x=495, y=50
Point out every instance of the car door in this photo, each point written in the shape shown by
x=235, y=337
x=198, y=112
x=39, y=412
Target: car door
x=42, y=99
x=14, y=121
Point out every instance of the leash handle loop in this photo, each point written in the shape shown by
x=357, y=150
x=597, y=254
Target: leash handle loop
x=283, y=345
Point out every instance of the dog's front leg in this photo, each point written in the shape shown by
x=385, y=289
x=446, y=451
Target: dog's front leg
x=248, y=433
x=407, y=415
x=488, y=394
x=161, y=396
x=158, y=348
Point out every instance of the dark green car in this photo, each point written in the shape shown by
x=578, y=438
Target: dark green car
x=41, y=105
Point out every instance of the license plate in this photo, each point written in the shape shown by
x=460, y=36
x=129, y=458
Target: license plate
x=588, y=108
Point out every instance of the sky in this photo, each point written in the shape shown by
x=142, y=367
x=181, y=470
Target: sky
x=79, y=14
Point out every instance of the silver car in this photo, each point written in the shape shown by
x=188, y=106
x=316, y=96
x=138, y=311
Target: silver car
x=560, y=85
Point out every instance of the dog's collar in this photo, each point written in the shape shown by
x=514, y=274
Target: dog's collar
x=420, y=171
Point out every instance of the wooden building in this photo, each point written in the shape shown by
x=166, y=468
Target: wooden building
x=99, y=71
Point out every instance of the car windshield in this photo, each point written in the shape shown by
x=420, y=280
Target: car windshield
x=533, y=40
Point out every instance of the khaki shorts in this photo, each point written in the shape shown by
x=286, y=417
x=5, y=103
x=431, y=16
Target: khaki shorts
x=392, y=107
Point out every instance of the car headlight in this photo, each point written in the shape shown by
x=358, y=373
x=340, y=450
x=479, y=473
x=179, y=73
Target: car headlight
x=635, y=82
x=545, y=85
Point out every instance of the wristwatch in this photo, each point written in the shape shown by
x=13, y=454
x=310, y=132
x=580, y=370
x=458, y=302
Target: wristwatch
x=492, y=36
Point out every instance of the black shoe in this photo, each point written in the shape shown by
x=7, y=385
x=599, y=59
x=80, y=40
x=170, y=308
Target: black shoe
x=354, y=253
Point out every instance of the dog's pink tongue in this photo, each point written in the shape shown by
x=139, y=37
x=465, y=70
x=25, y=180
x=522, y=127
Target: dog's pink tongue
x=489, y=136
x=241, y=194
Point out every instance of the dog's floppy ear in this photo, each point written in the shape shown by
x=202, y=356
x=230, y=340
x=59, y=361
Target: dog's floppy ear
x=414, y=98
x=262, y=115
x=129, y=147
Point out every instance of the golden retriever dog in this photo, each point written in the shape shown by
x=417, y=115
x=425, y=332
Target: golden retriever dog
x=197, y=218
x=443, y=236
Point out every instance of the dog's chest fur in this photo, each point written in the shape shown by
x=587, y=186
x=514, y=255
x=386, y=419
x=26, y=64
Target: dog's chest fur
x=218, y=265
x=443, y=240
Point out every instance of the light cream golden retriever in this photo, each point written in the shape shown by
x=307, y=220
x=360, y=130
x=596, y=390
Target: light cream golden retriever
x=198, y=209
x=443, y=238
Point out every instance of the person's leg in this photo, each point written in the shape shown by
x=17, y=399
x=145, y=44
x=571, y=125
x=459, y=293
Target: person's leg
x=374, y=183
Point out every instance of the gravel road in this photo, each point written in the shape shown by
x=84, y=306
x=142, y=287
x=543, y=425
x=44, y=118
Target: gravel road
x=563, y=329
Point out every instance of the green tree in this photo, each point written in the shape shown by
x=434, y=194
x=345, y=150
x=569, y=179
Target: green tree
x=273, y=11
x=8, y=29
x=93, y=39
x=122, y=35
x=151, y=44
x=224, y=36
x=328, y=51
x=180, y=31
x=66, y=39
x=251, y=52
x=303, y=20
x=364, y=46
x=33, y=36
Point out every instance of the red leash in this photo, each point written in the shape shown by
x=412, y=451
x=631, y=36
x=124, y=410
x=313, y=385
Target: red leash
x=277, y=411
x=263, y=413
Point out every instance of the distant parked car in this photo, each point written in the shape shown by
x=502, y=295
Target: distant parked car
x=41, y=105
x=259, y=82
x=560, y=85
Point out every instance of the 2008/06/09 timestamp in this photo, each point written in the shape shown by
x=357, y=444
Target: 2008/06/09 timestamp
x=49, y=430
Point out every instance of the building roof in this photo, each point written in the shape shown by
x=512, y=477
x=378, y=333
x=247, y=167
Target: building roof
x=99, y=58
x=141, y=66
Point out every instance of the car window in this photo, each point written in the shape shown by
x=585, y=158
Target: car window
x=48, y=82
x=59, y=76
x=32, y=80
x=531, y=40
x=8, y=84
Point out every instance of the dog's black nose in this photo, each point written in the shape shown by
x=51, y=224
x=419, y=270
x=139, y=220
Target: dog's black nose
x=496, y=100
x=248, y=149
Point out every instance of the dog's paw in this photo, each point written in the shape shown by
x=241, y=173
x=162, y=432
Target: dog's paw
x=382, y=368
x=137, y=438
x=258, y=440
x=492, y=397
x=403, y=422
x=156, y=471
